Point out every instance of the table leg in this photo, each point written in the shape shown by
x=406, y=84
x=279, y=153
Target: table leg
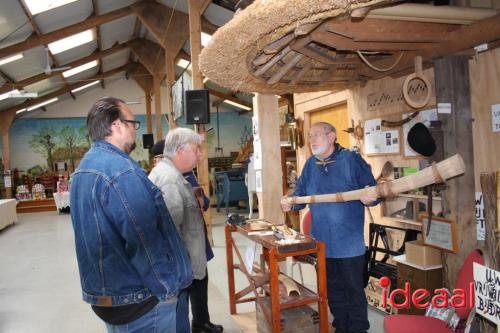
x=321, y=281
x=230, y=269
x=275, y=292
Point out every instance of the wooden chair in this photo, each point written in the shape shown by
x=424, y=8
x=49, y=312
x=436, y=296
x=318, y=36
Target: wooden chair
x=417, y=324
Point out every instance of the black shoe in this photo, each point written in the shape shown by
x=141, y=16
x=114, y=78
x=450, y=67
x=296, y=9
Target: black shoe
x=206, y=328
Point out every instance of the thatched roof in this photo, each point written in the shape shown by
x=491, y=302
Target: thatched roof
x=227, y=60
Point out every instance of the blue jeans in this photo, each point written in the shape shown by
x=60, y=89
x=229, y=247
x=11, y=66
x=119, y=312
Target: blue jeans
x=182, y=312
x=161, y=319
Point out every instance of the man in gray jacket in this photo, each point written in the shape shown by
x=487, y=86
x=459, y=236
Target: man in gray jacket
x=181, y=154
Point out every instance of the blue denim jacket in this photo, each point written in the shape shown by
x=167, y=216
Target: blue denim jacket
x=127, y=246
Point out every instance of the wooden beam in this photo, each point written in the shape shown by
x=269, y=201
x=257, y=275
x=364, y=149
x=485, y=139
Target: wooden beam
x=374, y=30
x=229, y=97
x=169, y=82
x=484, y=31
x=157, y=93
x=266, y=112
x=151, y=55
x=7, y=79
x=140, y=75
x=195, y=12
x=40, y=77
x=279, y=74
x=86, y=24
x=95, y=5
x=340, y=42
x=168, y=26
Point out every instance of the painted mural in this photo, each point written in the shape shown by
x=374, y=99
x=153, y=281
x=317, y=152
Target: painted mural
x=38, y=145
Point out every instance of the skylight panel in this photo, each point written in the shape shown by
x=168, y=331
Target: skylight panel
x=15, y=57
x=205, y=38
x=39, y=6
x=85, y=86
x=79, y=69
x=42, y=104
x=238, y=105
x=7, y=94
x=72, y=41
x=183, y=63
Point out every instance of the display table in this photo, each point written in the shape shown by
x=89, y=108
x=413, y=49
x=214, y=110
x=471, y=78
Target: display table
x=62, y=201
x=8, y=213
x=268, y=277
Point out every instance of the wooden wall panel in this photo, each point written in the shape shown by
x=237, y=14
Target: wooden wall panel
x=484, y=73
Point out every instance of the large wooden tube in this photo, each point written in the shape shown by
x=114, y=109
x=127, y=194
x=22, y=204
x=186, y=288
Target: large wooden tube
x=437, y=173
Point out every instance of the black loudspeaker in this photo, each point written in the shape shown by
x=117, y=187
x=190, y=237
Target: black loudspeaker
x=147, y=141
x=197, y=106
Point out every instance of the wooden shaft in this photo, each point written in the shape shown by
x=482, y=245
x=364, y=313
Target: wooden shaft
x=437, y=173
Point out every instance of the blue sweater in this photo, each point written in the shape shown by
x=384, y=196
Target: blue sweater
x=339, y=225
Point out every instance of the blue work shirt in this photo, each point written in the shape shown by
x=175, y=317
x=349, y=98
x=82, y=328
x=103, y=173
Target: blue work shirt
x=339, y=225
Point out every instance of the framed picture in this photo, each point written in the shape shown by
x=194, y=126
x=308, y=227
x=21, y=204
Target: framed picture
x=442, y=234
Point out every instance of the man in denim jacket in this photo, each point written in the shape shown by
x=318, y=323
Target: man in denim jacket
x=132, y=261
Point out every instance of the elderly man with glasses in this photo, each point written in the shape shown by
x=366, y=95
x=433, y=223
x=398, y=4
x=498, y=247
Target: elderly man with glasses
x=340, y=226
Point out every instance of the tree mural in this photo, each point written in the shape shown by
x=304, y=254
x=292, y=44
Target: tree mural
x=43, y=143
x=70, y=139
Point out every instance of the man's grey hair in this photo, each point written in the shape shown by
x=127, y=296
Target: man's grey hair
x=179, y=138
x=326, y=126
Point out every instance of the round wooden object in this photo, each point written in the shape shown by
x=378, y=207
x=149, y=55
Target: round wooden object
x=416, y=104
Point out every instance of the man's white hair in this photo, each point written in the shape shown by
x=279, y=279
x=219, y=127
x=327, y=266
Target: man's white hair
x=327, y=127
x=179, y=138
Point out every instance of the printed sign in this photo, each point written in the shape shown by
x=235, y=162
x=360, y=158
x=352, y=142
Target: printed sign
x=487, y=292
x=495, y=117
x=480, y=221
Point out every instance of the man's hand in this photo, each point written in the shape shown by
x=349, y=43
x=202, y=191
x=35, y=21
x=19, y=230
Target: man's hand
x=368, y=197
x=286, y=206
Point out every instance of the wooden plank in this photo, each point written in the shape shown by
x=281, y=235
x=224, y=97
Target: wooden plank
x=48, y=38
x=229, y=97
x=375, y=30
x=261, y=70
x=301, y=73
x=285, y=69
x=278, y=44
x=344, y=43
x=452, y=86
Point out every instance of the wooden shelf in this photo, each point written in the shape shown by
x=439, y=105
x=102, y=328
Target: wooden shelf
x=415, y=224
x=417, y=196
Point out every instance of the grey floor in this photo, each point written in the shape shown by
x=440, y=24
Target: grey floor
x=40, y=290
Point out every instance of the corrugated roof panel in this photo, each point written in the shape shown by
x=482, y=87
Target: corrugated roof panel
x=14, y=24
x=115, y=60
x=64, y=16
x=76, y=52
x=30, y=65
x=120, y=30
x=106, y=6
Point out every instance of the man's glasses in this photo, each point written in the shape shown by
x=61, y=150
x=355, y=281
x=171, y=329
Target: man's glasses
x=136, y=123
x=317, y=135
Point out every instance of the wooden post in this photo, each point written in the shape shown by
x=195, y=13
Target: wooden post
x=7, y=119
x=266, y=111
x=157, y=90
x=196, y=8
x=452, y=86
x=149, y=127
x=169, y=81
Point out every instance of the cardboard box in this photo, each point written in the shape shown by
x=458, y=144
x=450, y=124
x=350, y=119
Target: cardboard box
x=419, y=254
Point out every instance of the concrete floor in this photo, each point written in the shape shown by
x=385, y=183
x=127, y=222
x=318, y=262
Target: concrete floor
x=40, y=288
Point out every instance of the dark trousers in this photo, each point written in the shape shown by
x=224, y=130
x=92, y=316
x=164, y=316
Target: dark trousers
x=198, y=296
x=346, y=294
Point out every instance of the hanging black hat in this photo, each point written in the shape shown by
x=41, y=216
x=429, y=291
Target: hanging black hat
x=157, y=148
x=421, y=140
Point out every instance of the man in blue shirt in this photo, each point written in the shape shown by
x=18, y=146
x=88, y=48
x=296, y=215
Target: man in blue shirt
x=132, y=261
x=340, y=226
